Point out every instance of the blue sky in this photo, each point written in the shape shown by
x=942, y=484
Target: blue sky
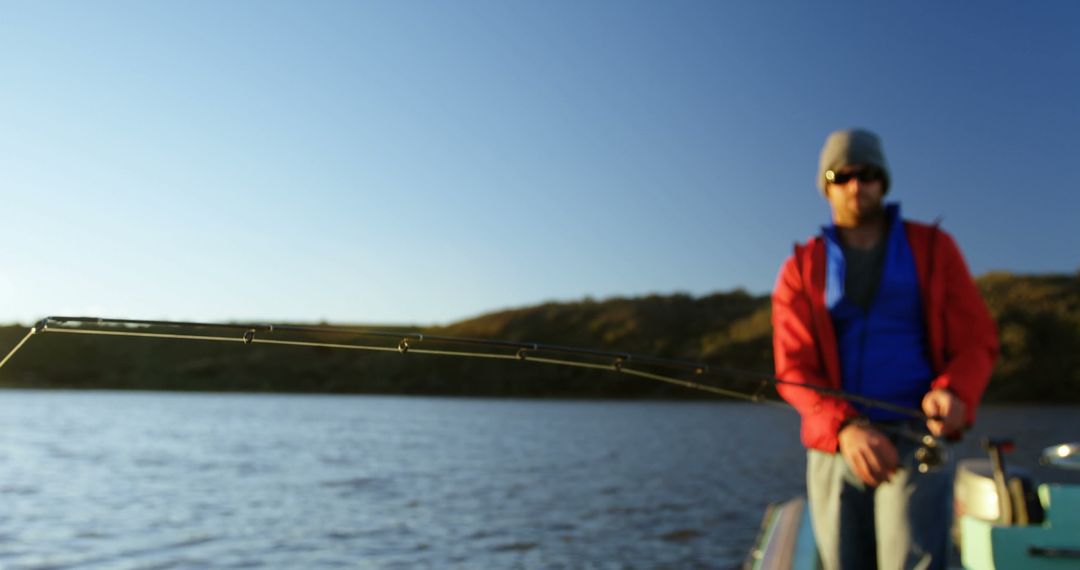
x=422, y=162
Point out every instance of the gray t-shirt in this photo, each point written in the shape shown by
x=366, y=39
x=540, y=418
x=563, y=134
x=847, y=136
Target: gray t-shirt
x=862, y=273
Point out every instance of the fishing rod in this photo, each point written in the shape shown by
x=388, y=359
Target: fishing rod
x=670, y=371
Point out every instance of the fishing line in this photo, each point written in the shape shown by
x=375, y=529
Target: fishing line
x=17, y=347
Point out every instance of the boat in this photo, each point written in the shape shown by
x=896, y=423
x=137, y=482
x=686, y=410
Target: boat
x=1003, y=518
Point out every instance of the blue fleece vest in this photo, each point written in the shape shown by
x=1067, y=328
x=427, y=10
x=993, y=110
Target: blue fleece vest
x=883, y=352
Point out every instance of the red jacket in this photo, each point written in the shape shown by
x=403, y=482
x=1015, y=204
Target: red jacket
x=960, y=331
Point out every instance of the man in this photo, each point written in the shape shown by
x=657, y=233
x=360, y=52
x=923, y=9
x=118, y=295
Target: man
x=886, y=309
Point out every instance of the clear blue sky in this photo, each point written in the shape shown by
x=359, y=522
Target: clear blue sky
x=422, y=162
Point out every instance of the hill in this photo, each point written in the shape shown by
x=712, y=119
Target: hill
x=1038, y=316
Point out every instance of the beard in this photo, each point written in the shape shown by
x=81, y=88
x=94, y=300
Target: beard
x=867, y=213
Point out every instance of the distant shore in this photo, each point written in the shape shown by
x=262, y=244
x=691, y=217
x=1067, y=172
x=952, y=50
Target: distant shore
x=1038, y=318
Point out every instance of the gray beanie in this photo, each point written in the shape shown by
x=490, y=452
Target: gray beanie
x=852, y=146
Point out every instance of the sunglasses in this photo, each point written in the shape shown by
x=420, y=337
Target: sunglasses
x=864, y=175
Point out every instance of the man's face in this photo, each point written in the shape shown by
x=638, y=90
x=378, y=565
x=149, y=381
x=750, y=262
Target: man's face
x=855, y=193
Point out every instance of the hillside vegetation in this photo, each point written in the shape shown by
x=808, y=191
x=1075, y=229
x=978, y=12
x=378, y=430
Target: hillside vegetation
x=1038, y=316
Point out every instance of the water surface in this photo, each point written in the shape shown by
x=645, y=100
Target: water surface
x=165, y=480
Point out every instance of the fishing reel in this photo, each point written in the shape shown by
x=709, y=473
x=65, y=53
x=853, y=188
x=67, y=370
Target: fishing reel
x=931, y=454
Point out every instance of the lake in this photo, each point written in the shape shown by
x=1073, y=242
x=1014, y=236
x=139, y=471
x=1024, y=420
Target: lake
x=167, y=480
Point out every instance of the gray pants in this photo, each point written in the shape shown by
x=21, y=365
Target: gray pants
x=903, y=523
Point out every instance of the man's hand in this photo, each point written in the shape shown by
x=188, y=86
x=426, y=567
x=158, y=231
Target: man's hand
x=943, y=404
x=868, y=452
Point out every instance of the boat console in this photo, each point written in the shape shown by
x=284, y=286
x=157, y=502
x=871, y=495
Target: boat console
x=1005, y=520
